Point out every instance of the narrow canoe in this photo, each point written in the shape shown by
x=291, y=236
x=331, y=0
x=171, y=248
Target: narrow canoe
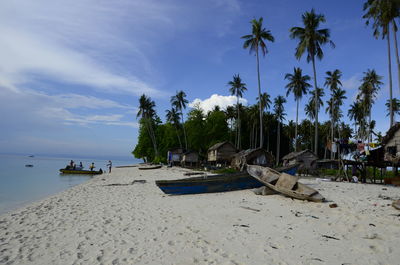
x=284, y=183
x=150, y=167
x=216, y=183
x=81, y=172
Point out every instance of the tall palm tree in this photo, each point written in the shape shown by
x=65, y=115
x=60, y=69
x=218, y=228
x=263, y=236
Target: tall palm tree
x=147, y=113
x=254, y=42
x=265, y=101
x=383, y=13
x=179, y=101
x=309, y=109
x=332, y=81
x=298, y=85
x=395, y=105
x=280, y=114
x=230, y=115
x=311, y=39
x=371, y=83
x=172, y=116
x=237, y=87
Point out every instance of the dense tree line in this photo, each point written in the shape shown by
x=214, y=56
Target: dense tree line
x=263, y=125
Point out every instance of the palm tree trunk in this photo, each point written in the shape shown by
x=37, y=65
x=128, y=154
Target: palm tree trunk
x=184, y=131
x=179, y=138
x=238, y=115
x=332, y=154
x=259, y=96
x=397, y=51
x=316, y=108
x=390, y=79
x=278, y=140
x=152, y=136
x=295, y=130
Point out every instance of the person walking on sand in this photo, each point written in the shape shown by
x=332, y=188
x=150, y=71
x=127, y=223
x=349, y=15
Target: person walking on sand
x=92, y=167
x=109, y=166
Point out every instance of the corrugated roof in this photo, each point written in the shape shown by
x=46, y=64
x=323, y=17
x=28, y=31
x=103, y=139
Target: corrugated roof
x=218, y=145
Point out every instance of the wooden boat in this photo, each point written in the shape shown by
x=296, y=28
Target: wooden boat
x=127, y=166
x=28, y=165
x=284, y=183
x=215, y=183
x=81, y=172
x=396, y=204
x=150, y=167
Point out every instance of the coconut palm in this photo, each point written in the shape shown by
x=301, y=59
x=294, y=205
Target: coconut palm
x=237, y=87
x=309, y=109
x=179, y=101
x=265, y=101
x=298, y=85
x=147, y=113
x=254, y=42
x=280, y=114
x=172, y=116
x=311, y=39
x=230, y=115
x=371, y=83
x=395, y=105
x=383, y=13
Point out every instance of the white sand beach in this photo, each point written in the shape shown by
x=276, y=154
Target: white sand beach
x=137, y=224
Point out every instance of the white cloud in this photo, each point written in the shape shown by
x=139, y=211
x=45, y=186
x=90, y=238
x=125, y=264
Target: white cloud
x=352, y=82
x=208, y=104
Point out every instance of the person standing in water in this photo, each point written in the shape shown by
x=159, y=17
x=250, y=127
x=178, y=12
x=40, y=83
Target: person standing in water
x=109, y=166
x=92, y=167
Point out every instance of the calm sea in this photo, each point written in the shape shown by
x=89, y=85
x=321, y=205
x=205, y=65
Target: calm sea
x=20, y=185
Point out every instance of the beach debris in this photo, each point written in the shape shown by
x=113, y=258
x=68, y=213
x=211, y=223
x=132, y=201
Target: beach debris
x=264, y=191
x=372, y=225
x=194, y=173
x=396, y=204
x=127, y=184
x=333, y=205
x=249, y=208
x=330, y=237
x=372, y=236
x=317, y=259
x=384, y=197
x=242, y=225
x=384, y=188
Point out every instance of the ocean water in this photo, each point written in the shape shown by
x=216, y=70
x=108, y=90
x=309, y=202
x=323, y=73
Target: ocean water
x=20, y=185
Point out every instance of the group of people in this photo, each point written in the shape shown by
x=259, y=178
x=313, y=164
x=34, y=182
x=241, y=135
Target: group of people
x=72, y=165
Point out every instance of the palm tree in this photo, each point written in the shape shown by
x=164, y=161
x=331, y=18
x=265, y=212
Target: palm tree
x=280, y=116
x=179, y=101
x=298, y=85
x=332, y=81
x=173, y=117
x=236, y=87
x=254, y=42
x=265, y=101
x=311, y=38
x=309, y=109
x=368, y=91
x=147, y=113
x=356, y=114
x=382, y=13
x=230, y=115
x=395, y=105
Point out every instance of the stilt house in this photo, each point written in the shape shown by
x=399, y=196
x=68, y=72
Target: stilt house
x=306, y=158
x=190, y=158
x=174, y=155
x=391, y=143
x=257, y=156
x=221, y=153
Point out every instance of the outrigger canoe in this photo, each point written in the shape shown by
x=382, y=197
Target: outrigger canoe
x=285, y=184
x=81, y=172
x=150, y=167
x=215, y=183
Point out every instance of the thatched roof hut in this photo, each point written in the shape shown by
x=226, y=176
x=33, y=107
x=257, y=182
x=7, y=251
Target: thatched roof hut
x=221, y=152
x=174, y=155
x=391, y=143
x=306, y=158
x=190, y=158
x=257, y=156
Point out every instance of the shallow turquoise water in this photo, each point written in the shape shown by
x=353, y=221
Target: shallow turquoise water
x=20, y=185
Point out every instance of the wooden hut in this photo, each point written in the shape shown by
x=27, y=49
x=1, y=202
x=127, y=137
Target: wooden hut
x=306, y=158
x=221, y=153
x=257, y=156
x=391, y=143
x=174, y=156
x=190, y=158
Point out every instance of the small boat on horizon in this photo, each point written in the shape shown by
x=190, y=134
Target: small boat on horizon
x=28, y=165
x=215, y=183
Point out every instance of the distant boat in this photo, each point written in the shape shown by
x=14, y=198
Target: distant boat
x=216, y=183
x=81, y=172
x=28, y=165
x=31, y=156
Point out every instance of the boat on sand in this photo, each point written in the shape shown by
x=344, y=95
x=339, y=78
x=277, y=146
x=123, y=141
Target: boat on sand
x=285, y=184
x=81, y=172
x=214, y=183
x=150, y=167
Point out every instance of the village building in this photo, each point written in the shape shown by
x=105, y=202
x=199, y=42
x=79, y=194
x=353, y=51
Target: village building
x=190, y=159
x=221, y=153
x=257, y=156
x=391, y=143
x=306, y=160
x=174, y=155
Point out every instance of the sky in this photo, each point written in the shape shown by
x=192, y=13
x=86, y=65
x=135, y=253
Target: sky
x=71, y=72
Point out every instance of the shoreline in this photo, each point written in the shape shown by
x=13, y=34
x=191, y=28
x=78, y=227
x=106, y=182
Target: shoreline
x=95, y=222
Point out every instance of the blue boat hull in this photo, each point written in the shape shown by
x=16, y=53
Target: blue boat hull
x=218, y=183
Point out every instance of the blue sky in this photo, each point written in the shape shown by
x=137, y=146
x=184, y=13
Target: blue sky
x=71, y=72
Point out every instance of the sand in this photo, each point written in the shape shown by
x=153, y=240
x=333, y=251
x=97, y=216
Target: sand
x=137, y=224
